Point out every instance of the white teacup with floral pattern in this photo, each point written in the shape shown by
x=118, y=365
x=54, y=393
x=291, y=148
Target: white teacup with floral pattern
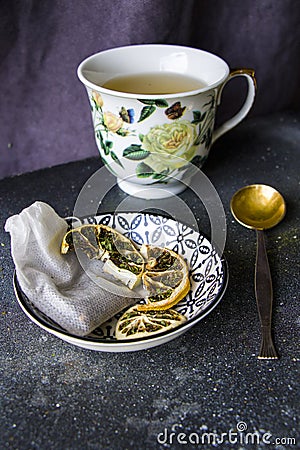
x=151, y=141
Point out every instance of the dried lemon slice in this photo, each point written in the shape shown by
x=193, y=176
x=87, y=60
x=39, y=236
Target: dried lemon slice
x=135, y=324
x=166, y=278
x=85, y=238
x=122, y=259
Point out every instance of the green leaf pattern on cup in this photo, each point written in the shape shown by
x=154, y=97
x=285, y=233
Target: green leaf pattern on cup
x=167, y=148
x=135, y=152
x=144, y=171
x=146, y=112
x=150, y=107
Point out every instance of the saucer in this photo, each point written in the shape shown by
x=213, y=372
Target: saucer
x=207, y=270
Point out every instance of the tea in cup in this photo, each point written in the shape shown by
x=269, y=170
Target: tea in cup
x=153, y=111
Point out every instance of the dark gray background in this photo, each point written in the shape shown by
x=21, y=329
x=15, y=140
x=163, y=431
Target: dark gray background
x=44, y=116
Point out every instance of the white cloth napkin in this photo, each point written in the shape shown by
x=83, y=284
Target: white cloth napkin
x=56, y=284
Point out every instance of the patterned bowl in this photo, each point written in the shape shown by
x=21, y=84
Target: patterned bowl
x=208, y=276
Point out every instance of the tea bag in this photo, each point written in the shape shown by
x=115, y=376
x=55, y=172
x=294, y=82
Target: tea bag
x=57, y=284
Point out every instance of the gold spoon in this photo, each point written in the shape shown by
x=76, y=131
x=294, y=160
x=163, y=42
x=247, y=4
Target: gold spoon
x=260, y=207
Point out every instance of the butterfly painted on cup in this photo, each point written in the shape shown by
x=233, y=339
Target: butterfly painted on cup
x=127, y=115
x=175, y=111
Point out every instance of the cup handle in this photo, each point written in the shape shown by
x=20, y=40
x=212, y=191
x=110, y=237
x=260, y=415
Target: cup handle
x=238, y=117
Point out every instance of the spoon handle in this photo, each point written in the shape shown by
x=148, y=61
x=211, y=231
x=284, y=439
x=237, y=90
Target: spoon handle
x=264, y=297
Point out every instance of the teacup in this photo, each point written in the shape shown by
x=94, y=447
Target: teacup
x=153, y=110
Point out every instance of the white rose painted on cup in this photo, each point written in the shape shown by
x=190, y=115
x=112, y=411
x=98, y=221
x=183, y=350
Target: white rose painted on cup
x=170, y=145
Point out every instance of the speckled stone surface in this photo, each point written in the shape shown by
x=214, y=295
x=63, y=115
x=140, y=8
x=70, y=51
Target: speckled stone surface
x=58, y=396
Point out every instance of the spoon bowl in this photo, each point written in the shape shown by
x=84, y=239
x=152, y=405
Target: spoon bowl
x=260, y=207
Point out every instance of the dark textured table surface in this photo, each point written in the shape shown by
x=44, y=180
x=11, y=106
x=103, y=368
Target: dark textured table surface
x=58, y=396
